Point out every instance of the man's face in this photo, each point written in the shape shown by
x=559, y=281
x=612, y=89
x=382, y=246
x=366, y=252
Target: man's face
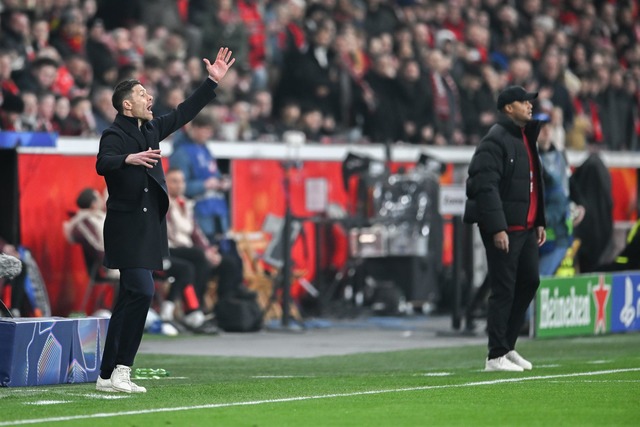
x=175, y=184
x=139, y=104
x=520, y=111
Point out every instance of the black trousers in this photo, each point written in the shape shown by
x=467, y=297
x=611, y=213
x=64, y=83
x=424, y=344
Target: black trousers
x=126, y=325
x=183, y=273
x=514, y=279
x=201, y=268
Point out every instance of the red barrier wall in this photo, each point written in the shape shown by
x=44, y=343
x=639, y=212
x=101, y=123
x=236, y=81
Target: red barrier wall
x=49, y=184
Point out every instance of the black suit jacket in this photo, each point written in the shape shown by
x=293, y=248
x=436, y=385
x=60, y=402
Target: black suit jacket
x=135, y=229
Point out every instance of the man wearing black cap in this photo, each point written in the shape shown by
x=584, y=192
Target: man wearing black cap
x=505, y=198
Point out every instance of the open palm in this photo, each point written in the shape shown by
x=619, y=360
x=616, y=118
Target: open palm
x=219, y=68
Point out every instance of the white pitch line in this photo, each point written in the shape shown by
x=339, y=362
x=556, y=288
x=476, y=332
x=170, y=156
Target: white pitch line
x=302, y=398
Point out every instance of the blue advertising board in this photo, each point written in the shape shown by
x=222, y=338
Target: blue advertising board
x=625, y=302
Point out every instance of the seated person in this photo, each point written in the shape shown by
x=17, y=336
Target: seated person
x=86, y=228
x=629, y=257
x=186, y=241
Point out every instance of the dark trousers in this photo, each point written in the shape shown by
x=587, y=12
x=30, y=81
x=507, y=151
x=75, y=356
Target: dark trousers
x=201, y=267
x=126, y=325
x=183, y=274
x=514, y=279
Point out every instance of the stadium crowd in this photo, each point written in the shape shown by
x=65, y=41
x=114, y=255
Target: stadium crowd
x=413, y=71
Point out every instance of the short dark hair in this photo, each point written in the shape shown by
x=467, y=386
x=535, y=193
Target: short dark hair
x=86, y=198
x=122, y=91
x=173, y=169
x=203, y=119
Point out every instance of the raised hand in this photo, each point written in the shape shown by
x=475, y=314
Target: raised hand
x=148, y=158
x=221, y=65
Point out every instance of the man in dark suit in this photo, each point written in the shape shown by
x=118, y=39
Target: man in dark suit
x=135, y=230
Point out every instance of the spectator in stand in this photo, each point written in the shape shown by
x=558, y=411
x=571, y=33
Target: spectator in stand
x=103, y=111
x=262, y=120
x=586, y=127
x=124, y=52
x=80, y=121
x=62, y=110
x=520, y=72
x=240, y=118
x=205, y=183
x=616, y=110
x=46, y=111
x=251, y=16
x=99, y=54
x=221, y=23
x=40, y=77
x=552, y=86
x=69, y=38
x=316, y=73
x=579, y=38
x=169, y=99
x=152, y=75
x=17, y=35
x=446, y=100
x=11, y=107
x=382, y=102
x=476, y=102
x=380, y=18
x=82, y=74
x=417, y=113
x=288, y=119
x=6, y=67
x=28, y=117
x=311, y=124
x=39, y=34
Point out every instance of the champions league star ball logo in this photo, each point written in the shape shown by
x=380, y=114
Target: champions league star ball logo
x=600, y=296
x=628, y=311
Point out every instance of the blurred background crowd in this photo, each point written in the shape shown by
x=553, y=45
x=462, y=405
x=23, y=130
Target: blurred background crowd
x=412, y=71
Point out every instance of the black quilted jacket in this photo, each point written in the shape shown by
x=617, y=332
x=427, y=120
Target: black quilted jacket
x=498, y=181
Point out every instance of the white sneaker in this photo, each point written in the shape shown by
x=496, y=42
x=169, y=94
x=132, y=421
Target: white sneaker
x=104, y=385
x=168, y=329
x=501, y=364
x=194, y=319
x=514, y=357
x=121, y=381
x=167, y=309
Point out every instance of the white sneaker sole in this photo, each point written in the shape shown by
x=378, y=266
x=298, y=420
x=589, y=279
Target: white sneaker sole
x=106, y=389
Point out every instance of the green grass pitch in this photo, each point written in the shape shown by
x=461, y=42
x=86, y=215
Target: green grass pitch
x=592, y=381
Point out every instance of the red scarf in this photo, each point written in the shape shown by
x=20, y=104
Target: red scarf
x=595, y=117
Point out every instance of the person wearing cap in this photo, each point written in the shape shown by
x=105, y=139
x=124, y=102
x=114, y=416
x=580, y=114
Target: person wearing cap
x=135, y=229
x=505, y=198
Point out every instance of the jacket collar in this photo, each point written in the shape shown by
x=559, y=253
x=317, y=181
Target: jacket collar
x=531, y=129
x=130, y=126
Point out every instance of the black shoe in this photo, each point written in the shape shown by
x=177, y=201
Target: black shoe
x=179, y=326
x=207, y=328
